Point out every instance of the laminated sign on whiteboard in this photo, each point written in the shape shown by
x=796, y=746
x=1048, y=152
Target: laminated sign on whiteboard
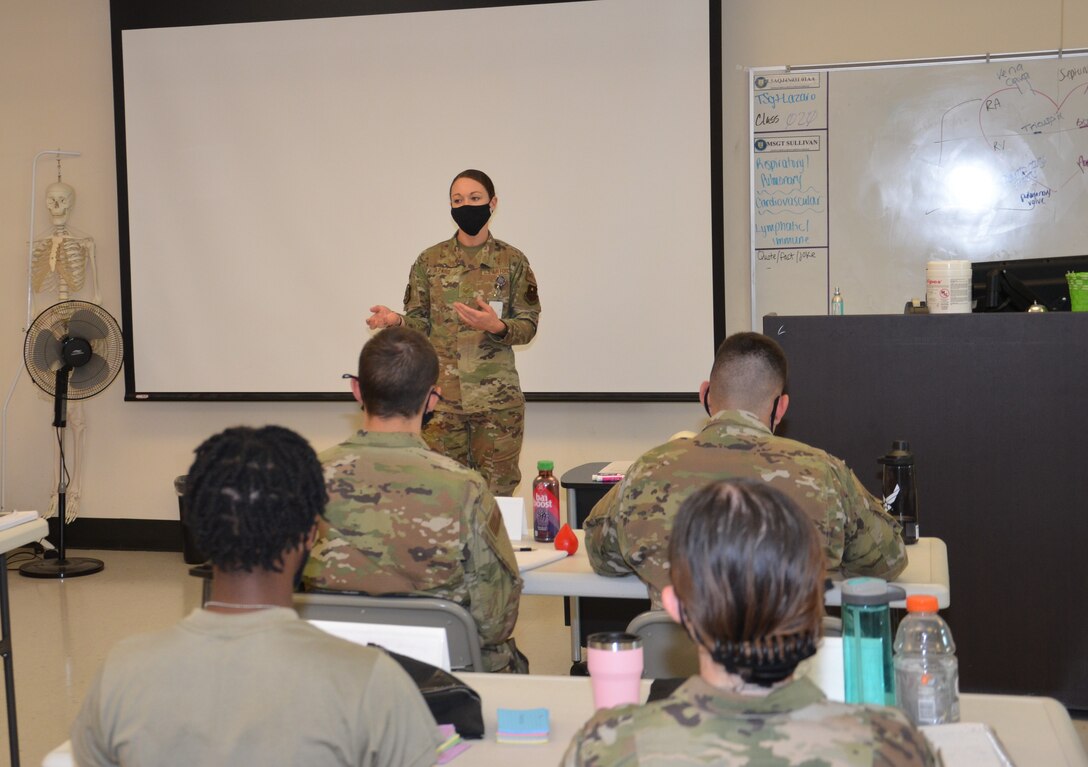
x=789, y=194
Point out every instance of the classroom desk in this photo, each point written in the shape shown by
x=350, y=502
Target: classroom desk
x=1037, y=732
x=573, y=576
x=13, y=538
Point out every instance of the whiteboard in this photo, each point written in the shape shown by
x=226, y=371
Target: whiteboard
x=278, y=177
x=862, y=175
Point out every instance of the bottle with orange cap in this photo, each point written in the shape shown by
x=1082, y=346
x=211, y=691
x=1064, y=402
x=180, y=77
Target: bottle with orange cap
x=927, y=677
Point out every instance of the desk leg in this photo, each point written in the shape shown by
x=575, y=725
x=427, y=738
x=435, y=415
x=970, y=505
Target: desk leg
x=575, y=631
x=9, y=666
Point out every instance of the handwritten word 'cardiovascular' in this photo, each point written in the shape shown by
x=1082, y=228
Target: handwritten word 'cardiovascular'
x=1037, y=127
x=1072, y=73
x=779, y=202
x=775, y=99
x=1037, y=197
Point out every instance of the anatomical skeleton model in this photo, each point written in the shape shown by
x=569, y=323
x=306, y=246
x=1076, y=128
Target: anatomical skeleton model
x=59, y=265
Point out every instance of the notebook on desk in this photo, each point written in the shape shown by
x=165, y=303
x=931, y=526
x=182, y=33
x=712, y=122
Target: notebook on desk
x=16, y=518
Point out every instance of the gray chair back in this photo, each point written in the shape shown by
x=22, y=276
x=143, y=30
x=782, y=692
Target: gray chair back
x=464, y=642
x=667, y=650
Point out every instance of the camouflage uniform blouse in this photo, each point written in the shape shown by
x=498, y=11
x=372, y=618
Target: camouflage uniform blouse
x=402, y=519
x=476, y=372
x=793, y=726
x=628, y=529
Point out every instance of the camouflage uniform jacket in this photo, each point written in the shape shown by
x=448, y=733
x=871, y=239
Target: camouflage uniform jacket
x=628, y=529
x=476, y=368
x=402, y=519
x=793, y=726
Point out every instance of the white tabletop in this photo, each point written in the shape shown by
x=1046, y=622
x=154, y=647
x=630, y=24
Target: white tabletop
x=34, y=529
x=573, y=576
x=1037, y=732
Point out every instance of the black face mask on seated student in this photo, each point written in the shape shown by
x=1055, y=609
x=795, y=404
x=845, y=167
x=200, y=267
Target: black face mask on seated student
x=471, y=218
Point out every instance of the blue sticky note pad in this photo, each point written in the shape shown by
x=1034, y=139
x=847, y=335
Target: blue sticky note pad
x=530, y=721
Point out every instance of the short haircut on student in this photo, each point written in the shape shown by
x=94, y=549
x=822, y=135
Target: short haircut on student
x=750, y=370
x=397, y=369
x=253, y=494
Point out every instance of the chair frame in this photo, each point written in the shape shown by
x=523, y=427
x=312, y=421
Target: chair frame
x=461, y=632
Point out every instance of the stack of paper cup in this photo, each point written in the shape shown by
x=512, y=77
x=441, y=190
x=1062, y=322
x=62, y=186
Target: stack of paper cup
x=948, y=287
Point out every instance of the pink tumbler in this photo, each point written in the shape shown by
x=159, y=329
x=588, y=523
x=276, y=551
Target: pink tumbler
x=615, y=668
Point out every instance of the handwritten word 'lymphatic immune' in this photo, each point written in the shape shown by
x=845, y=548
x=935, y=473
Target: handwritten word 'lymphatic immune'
x=1072, y=73
x=776, y=99
x=1038, y=197
x=1037, y=127
x=786, y=256
x=785, y=233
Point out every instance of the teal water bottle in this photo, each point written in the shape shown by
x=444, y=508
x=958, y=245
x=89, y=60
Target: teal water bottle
x=868, y=673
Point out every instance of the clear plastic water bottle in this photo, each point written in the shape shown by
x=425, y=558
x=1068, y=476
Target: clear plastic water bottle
x=927, y=675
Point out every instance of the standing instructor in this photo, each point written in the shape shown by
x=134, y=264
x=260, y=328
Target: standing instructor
x=474, y=297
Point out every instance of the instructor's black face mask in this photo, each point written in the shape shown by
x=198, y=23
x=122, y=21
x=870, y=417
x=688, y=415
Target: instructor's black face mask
x=471, y=218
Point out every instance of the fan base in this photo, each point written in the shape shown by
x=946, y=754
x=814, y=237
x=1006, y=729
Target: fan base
x=71, y=567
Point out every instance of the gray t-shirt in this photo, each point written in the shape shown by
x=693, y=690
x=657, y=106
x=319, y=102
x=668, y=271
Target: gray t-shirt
x=262, y=687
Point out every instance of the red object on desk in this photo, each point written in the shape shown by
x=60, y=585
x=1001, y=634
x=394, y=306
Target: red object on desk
x=566, y=540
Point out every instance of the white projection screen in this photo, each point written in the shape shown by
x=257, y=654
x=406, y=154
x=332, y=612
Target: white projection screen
x=279, y=175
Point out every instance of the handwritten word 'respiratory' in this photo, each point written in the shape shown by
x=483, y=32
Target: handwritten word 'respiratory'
x=785, y=163
x=775, y=99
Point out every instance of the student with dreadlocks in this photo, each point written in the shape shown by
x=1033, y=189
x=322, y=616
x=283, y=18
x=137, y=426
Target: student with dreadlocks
x=244, y=680
x=747, y=579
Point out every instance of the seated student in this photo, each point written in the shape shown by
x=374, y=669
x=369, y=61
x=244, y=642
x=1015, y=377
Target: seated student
x=628, y=529
x=747, y=575
x=403, y=519
x=244, y=680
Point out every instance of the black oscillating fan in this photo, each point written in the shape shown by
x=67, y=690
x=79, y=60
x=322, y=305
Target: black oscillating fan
x=72, y=351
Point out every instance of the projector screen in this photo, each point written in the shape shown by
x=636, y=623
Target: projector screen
x=278, y=176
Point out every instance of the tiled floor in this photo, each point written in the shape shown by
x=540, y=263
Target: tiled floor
x=63, y=629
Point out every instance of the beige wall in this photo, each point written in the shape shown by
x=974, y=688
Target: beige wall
x=61, y=96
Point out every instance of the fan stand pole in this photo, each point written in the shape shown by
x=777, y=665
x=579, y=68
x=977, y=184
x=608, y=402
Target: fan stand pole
x=62, y=566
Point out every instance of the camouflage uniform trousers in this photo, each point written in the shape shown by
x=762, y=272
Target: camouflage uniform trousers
x=488, y=442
